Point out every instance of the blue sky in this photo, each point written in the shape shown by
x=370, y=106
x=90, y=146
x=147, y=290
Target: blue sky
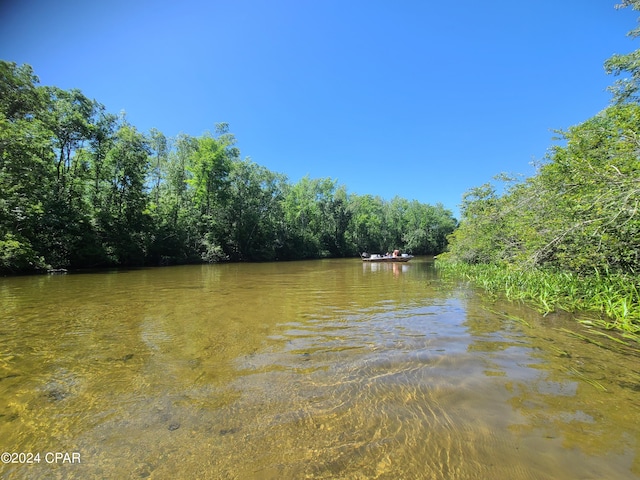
x=420, y=99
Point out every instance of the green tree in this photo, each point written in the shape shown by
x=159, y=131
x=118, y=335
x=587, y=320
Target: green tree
x=20, y=97
x=478, y=237
x=25, y=159
x=209, y=171
x=626, y=89
x=177, y=237
x=367, y=223
x=578, y=213
x=253, y=217
x=123, y=218
x=70, y=118
x=82, y=187
x=426, y=228
x=394, y=223
x=66, y=233
x=315, y=218
x=338, y=222
x=160, y=147
x=594, y=185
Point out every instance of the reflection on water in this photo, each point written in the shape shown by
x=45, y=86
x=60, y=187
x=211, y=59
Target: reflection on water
x=321, y=369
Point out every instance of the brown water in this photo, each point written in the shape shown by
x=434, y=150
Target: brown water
x=320, y=369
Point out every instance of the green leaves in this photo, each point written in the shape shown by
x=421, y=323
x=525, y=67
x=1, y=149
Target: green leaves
x=625, y=89
x=18, y=91
x=594, y=184
x=17, y=254
x=580, y=211
x=568, y=237
x=82, y=187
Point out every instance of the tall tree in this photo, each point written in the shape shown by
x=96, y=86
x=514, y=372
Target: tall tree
x=338, y=223
x=253, y=216
x=367, y=223
x=160, y=147
x=426, y=228
x=25, y=160
x=209, y=178
x=177, y=237
x=82, y=187
x=310, y=213
x=123, y=218
x=626, y=89
x=594, y=181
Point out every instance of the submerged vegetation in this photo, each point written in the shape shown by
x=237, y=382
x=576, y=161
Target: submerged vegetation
x=80, y=187
x=568, y=237
x=613, y=299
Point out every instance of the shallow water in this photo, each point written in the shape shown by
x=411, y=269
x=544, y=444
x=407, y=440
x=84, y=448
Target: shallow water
x=319, y=369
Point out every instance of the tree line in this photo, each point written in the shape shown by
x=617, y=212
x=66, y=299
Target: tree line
x=577, y=220
x=81, y=187
x=579, y=213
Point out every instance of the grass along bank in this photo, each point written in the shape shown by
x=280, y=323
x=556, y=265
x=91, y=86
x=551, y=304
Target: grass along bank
x=614, y=297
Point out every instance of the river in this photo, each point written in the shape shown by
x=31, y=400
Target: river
x=329, y=369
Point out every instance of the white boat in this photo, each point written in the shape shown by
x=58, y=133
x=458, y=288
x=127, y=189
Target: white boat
x=376, y=257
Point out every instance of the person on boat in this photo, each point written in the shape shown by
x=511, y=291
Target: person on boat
x=396, y=253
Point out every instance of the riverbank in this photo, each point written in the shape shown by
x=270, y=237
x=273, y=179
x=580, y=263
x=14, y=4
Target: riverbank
x=613, y=298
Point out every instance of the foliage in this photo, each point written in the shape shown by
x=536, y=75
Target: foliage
x=83, y=188
x=616, y=296
x=567, y=237
x=252, y=219
x=626, y=89
x=579, y=213
x=17, y=254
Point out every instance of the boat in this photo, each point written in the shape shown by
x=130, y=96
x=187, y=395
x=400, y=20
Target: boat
x=376, y=257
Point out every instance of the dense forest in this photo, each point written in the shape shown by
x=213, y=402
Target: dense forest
x=569, y=236
x=81, y=187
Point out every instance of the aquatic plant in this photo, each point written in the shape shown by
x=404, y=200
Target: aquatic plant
x=613, y=297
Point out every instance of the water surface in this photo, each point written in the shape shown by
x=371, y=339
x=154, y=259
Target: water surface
x=319, y=369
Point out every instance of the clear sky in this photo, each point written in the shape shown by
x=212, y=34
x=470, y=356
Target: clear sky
x=420, y=99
